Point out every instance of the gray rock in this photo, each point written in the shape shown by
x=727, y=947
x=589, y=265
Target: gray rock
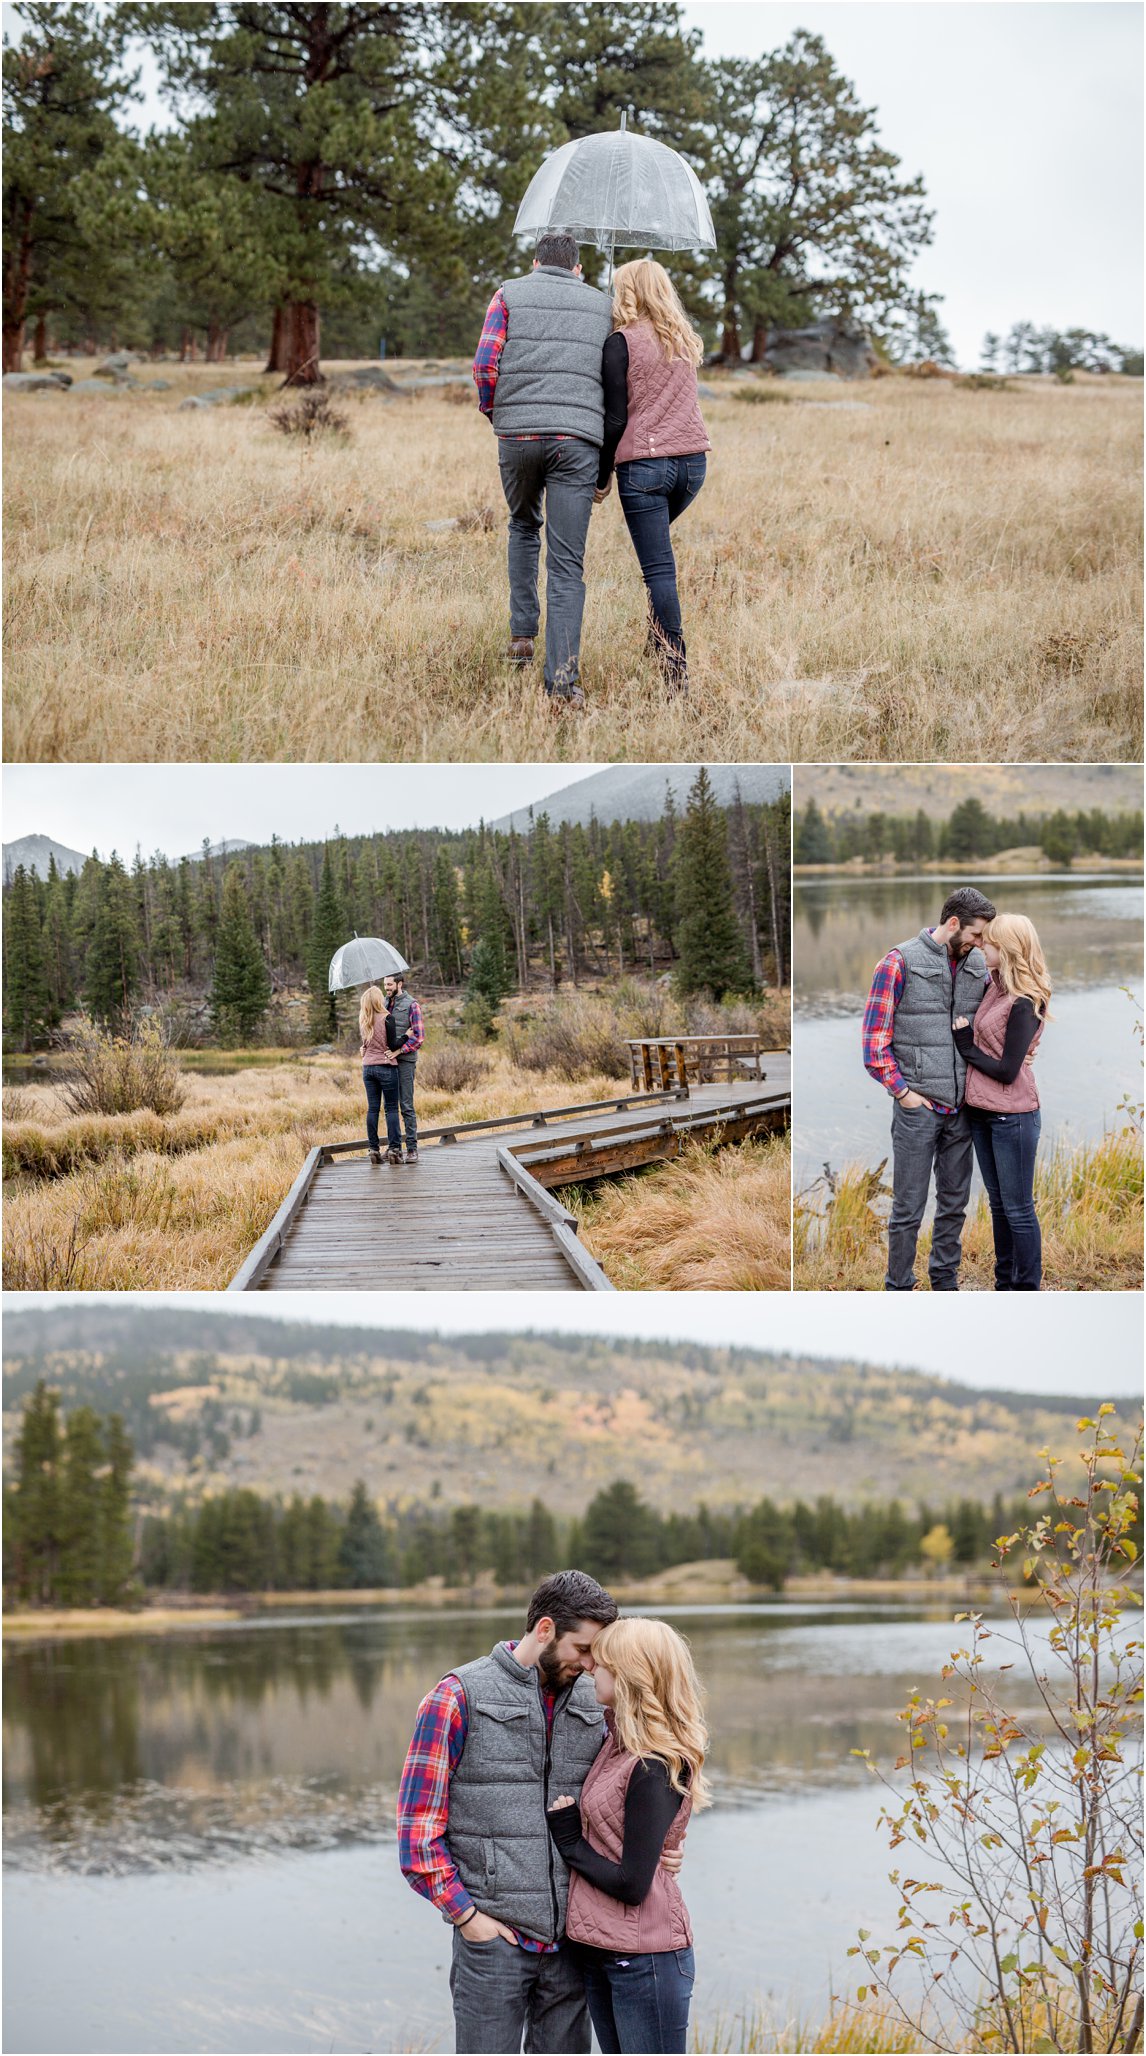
x=156, y=385
x=707, y=392
x=827, y=346
x=442, y=527
x=838, y=406
x=217, y=398
x=120, y=363
x=97, y=385
x=441, y=378
x=368, y=378
x=37, y=381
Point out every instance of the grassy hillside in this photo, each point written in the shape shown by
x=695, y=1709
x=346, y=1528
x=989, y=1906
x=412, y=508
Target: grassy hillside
x=484, y=1417
x=1032, y=789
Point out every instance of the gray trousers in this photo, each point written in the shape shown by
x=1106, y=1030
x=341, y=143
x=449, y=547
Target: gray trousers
x=557, y=476
x=924, y=1144
x=407, y=1066
x=507, y=1998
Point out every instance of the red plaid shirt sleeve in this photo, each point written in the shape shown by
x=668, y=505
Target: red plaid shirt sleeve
x=424, y=1799
x=488, y=354
x=879, y=1023
x=415, y=1033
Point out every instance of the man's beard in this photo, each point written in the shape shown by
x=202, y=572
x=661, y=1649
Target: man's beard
x=554, y=1673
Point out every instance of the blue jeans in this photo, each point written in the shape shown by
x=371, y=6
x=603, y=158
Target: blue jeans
x=381, y=1082
x=1006, y=1146
x=639, y=2002
x=550, y=477
x=653, y=492
x=505, y=1996
x=924, y=1145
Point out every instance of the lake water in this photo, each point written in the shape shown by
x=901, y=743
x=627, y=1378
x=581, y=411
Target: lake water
x=1091, y=932
x=199, y=1846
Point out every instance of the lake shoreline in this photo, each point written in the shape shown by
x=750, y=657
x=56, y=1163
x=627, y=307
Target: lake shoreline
x=717, y=1591
x=1021, y=862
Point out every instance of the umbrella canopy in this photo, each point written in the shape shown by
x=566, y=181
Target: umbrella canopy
x=363, y=962
x=618, y=188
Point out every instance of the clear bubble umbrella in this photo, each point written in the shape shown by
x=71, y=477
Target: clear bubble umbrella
x=363, y=962
x=618, y=188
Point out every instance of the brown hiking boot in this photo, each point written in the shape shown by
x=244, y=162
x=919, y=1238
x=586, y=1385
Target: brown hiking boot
x=376, y=1156
x=520, y=651
x=393, y=1156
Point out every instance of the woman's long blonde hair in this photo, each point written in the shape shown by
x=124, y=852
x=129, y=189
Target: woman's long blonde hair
x=372, y=1003
x=658, y=1709
x=1022, y=966
x=643, y=291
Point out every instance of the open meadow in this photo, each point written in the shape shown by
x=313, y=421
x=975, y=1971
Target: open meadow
x=150, y=1201
x=936, y=570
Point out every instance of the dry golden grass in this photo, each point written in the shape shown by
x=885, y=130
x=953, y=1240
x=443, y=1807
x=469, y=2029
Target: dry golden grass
x=1090, y=1207
x=712, y=1221
x=944, y=572
x=136, y=1202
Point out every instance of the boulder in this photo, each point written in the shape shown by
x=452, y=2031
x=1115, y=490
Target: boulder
x=217, y=398
x=831, y=348
x=119, y=364
x=97, y=385
x=368, y=378
x=37, y=381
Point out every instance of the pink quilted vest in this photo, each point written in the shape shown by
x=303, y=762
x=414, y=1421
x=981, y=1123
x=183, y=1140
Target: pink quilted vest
x=664, y=412
x=661, y=1920
x=990, y=1029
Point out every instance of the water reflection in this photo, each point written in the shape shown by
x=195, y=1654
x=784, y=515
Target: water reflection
x=160, y=1750
x=1089, y=1059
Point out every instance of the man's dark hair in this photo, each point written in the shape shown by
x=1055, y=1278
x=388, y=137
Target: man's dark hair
x=568, y=1597
x=558, y=248
x=969, y=903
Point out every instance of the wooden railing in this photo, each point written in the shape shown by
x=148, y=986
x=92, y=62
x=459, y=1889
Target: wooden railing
x=664, y=1061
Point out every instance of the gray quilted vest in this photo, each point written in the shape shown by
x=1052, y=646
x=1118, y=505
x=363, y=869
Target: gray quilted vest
x=922, y=1041
x=510, y=1768
x=398, y=1024
x=549, y=377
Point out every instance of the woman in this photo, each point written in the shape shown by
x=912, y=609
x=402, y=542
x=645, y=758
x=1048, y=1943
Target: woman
x=1001, y=1096
x=654, y=431
x=625, y=1911
x=379, y=1076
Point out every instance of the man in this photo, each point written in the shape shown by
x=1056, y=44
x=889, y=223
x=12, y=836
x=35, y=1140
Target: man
x=539, y=380
x=492, y=1744
x=909, y=1048
x=405, y=1036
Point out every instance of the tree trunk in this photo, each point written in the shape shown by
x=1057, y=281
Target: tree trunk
x=185, y=346
x=276, y=355
x=40, y=344
x=552, y=953
x=302, y=365
x=730, y=328
x=759, y=342
x=216, y=342
x=17, y=276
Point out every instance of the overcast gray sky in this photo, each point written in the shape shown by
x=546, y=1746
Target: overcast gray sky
x=171, y=807
x=1081, y=1343
x=1025, y=119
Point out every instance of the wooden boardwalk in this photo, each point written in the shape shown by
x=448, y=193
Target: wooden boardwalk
x=476, y=1213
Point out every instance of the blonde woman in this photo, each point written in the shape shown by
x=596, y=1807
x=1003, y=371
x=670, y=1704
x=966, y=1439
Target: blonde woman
x=655, y=435
x=379, y=1076
x=625, y=1912
x=1001, y=1096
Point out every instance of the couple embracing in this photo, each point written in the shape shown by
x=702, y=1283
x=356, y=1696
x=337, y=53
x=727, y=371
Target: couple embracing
x=953, y=1020
x=542, y=1810
x=576, y=382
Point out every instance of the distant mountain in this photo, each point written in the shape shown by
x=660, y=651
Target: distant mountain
x=492, y=1419
x=34, y=852
x=636, y=792
x=1006, y=789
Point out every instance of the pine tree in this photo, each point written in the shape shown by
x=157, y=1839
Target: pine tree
x=116, y=1547
x=27, y=1003
x=364, y=1552
x=81, y=1542
x=328, y=933
x=813, y=841
x=241, y=991
x=708, y=935
x=36, y=1541
x=111, y=971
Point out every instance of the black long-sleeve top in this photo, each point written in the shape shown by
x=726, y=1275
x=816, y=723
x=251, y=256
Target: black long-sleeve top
x=615, y=379
x=1022, y=1027
x=651, y=1806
